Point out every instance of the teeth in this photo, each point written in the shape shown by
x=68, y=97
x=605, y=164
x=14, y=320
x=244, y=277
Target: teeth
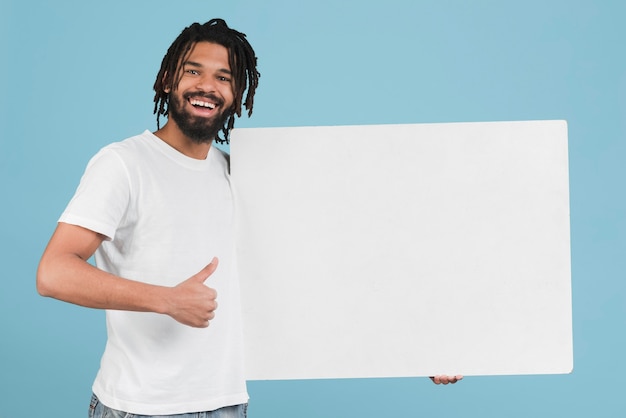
x=196, y=102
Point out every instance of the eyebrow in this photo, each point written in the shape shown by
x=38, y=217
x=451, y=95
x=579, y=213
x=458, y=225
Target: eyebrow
x=198, y=65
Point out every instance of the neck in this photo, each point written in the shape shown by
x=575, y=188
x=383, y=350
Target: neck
x=172, y=135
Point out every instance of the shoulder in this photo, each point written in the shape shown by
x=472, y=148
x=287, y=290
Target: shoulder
x=118, y=157
x=135, y=144
x=128, y=150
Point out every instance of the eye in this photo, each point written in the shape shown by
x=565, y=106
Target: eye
x=192, y=71
x=222, y=78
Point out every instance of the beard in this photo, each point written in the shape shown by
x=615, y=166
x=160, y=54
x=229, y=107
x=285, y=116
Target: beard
x=199, y=129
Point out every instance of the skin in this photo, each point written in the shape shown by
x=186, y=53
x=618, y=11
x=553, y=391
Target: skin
x=64, y=272
x=445, y=380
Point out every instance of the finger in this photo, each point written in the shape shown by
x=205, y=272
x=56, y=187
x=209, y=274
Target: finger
x=207, y=271
x=436, y=380
x=445, y=380
x=204, y=321
x=450, y=379
x=454, y=379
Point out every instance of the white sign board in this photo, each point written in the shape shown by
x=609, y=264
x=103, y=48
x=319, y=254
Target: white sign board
x=404, y=250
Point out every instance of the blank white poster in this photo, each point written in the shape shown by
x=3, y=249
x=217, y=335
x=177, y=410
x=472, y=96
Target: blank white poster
x=404, y=250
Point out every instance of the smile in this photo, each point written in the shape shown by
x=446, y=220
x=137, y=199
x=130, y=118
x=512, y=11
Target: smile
x=202, y=103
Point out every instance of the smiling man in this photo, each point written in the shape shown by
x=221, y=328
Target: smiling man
x=157, y=211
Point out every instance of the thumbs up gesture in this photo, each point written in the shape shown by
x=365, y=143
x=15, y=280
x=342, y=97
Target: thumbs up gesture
x=192, y=302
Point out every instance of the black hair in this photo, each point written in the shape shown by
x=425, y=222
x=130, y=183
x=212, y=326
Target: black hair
x=241, y=58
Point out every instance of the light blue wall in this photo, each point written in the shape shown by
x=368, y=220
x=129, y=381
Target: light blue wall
x=77, y=75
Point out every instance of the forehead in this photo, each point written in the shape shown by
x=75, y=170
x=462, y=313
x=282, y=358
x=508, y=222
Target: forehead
x=208, y=54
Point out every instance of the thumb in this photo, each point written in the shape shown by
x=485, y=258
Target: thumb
x=207, y=271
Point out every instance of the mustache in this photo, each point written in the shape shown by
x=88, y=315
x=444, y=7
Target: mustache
x=218, y=101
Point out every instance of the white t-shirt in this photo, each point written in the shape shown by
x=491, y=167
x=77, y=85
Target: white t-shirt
x=165, y=217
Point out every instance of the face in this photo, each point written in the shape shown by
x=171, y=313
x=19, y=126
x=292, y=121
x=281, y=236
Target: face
x=203, y=99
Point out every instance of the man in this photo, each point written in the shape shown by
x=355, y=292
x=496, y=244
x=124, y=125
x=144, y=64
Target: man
x=155, y=209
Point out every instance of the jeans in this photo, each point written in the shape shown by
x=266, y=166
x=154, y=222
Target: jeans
x=98, y=410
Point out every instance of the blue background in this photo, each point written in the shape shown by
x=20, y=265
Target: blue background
x=77, y=75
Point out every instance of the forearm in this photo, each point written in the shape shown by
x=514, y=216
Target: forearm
x=65, y=274
x=70, y=278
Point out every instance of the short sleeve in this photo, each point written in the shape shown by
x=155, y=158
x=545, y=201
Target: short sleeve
x=102, y=198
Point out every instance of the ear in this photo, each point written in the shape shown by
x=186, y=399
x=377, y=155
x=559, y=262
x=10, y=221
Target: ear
x=166, y=86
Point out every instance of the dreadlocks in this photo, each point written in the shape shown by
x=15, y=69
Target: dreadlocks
x=241, y=58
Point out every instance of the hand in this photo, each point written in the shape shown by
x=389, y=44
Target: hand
x=444, y=380
x=192, y=302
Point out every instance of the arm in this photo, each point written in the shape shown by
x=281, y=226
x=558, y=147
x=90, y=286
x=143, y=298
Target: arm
x=65, y=274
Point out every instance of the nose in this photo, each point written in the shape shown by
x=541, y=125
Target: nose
x=206, y=83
